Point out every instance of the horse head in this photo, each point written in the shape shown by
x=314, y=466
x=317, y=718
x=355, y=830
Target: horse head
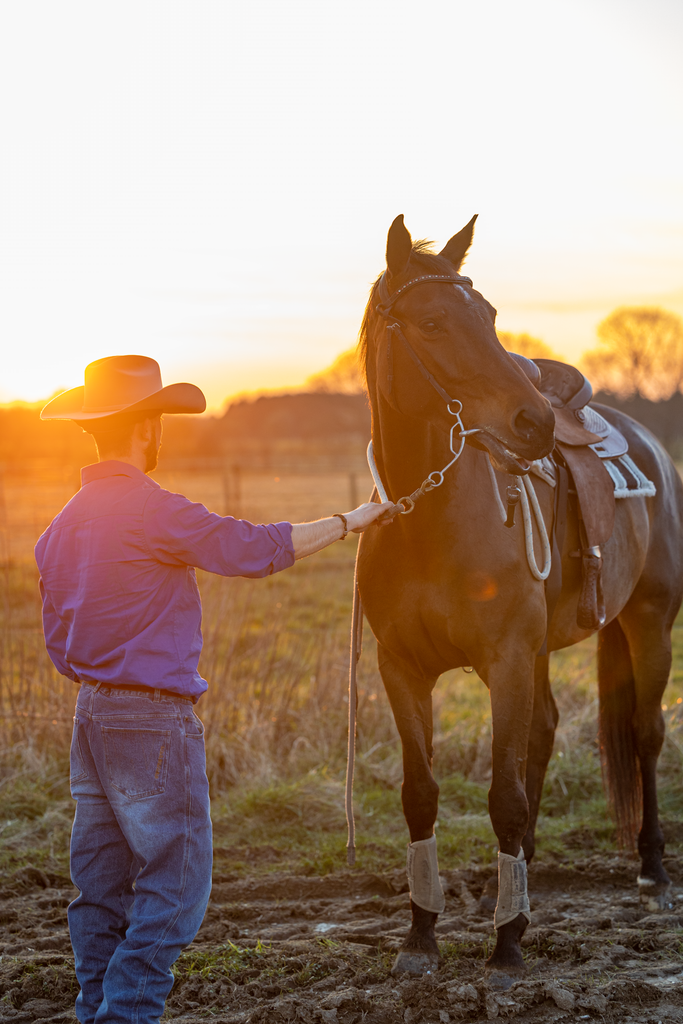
x=428, y=336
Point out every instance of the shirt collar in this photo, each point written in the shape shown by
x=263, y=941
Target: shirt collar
x=112, y=467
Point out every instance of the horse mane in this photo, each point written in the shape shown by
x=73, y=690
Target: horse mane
x=422, y=255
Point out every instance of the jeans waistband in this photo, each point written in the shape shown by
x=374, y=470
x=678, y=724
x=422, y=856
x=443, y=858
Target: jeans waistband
x=153, y=692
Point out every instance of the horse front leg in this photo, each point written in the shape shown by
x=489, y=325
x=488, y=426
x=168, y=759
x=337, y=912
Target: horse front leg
x=541, y=740
x=511, y=682
x=410, y=696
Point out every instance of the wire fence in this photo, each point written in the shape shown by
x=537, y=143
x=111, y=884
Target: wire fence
x=31, y=494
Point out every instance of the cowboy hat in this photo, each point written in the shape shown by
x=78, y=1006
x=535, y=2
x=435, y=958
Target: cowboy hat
x=123, y=384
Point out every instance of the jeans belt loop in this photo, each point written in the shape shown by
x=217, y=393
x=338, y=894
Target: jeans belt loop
x=157, y=695
x=97, y=687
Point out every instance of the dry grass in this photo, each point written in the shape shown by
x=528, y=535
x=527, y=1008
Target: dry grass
x=275, y=656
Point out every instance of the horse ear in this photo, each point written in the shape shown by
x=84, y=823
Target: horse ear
x=455, y=250
x=399, y=246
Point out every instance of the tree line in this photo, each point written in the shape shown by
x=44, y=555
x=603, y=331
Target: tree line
x=637, y=366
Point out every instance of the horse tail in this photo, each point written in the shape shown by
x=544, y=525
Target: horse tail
x=620, y=765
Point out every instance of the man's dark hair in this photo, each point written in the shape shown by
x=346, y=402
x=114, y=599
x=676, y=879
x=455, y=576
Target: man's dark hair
x=114, y=434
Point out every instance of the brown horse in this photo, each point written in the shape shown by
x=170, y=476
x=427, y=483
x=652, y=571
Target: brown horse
x=450, y=586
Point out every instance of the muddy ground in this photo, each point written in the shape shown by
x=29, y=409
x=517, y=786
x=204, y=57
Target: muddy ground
x=291, y=948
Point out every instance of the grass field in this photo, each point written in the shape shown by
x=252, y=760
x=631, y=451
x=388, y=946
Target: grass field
x=290, y=933
x=275, y=656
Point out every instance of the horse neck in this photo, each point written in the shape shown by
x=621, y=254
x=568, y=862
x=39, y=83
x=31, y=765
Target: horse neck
x=406, y=450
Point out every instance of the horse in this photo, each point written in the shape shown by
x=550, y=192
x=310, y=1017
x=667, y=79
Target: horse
x=449, y=586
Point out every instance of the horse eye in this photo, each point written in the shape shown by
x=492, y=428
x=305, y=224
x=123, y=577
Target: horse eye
x=428, y=326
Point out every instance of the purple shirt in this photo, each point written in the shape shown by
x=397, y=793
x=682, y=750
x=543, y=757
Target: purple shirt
x=120, y=598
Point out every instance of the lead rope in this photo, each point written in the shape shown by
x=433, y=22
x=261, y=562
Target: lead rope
x=354, y=658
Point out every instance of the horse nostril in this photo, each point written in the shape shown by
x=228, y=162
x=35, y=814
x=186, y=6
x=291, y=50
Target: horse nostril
x=526, y=422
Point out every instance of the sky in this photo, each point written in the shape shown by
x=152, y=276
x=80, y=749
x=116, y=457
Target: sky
x=211, y=183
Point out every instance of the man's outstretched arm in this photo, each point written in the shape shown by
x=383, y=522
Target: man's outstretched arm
x=180, y=531
x=310, y=537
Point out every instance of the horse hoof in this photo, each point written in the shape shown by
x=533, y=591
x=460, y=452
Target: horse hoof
x=654, y=896
x=415, y=963
x=499, y=981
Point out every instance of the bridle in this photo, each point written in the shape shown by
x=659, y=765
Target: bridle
x=394, y=328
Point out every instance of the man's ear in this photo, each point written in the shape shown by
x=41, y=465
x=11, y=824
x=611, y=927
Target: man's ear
x=456, y=249
x=144, y=429
x=399, y=247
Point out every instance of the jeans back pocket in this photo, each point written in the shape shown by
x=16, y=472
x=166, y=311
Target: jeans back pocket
x=137, y=760
x=78, y=770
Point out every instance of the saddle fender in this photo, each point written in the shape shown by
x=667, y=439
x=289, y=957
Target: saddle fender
x=595, y=492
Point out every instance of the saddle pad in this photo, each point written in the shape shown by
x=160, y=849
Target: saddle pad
x=631, y=484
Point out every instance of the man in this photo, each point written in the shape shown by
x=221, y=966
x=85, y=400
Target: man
x=122, y=617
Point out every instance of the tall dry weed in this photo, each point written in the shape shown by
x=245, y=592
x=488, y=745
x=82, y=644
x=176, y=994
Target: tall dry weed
x=276, y=658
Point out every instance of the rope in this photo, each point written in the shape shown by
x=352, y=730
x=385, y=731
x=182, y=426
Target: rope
x=528, y=494
x=379, y=486
x=354, y=658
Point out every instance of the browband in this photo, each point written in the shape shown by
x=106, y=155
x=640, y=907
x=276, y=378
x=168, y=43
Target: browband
x=387, y=300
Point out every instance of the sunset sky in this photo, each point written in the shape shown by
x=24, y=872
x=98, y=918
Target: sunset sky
x=211, y=183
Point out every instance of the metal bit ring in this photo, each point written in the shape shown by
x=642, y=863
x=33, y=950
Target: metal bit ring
x=408, y=502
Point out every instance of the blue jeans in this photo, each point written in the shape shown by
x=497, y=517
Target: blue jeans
x=141, y=849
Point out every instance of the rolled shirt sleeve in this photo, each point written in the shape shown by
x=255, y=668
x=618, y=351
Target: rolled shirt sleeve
x=179, y=531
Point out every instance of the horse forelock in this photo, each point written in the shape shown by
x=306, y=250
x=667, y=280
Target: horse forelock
x=423, y=258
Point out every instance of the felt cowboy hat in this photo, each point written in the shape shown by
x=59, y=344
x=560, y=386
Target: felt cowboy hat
x=123, y=384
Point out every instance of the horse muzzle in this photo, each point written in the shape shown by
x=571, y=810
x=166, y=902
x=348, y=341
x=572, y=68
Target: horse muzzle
x=501, y=456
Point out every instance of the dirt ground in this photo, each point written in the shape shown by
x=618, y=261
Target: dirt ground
x=292, y=948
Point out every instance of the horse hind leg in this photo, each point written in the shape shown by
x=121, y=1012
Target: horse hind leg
x=634, y=661
x=410, y=697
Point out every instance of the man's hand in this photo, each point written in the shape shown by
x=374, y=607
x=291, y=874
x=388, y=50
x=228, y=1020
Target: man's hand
x=310, y=537
x=367, y=514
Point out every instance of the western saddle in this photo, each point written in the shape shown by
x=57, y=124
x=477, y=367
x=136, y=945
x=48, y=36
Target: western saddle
x=594, y=456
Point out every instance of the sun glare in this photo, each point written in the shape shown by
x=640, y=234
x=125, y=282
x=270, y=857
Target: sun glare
x=223, y=204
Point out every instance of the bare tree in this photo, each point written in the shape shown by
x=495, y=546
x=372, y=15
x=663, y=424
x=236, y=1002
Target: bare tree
x=342, y=376
x=640, y=352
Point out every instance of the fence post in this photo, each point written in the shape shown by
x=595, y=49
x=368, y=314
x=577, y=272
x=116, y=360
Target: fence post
x=227, y=489
x=237, y=491
x=353, y=490
x=4, y=531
